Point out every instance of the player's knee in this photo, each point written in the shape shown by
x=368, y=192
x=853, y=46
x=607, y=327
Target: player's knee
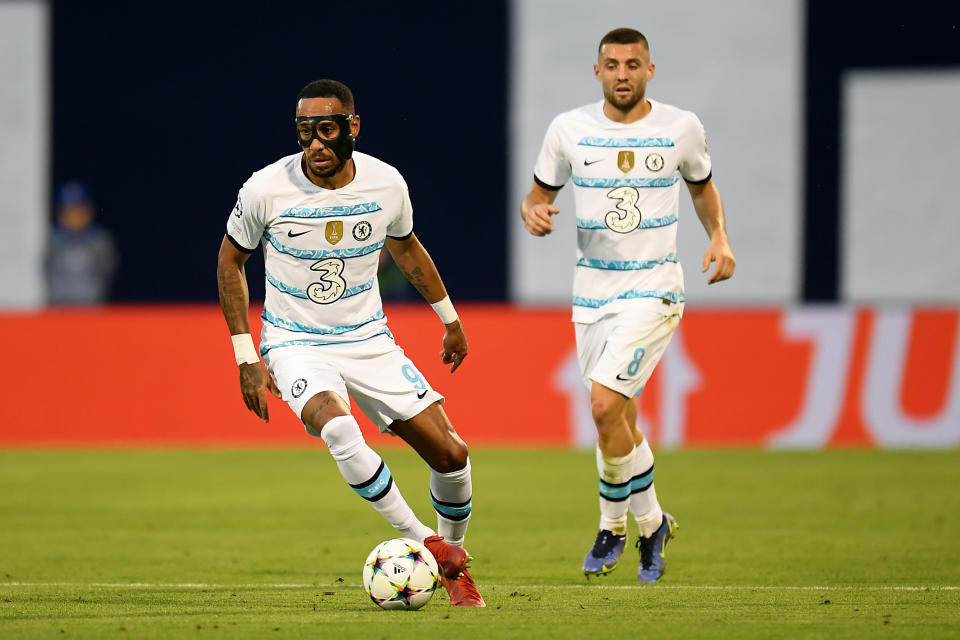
x=452, y=457
x=322, y=408
x=343, y=437
x=604, y=412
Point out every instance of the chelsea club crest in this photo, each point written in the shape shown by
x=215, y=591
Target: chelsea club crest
x=299, y=386
x=362, y=231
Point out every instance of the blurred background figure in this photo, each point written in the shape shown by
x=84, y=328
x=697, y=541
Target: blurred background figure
x=81, y=255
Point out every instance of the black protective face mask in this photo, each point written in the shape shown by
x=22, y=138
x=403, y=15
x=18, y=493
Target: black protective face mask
x=332, y=130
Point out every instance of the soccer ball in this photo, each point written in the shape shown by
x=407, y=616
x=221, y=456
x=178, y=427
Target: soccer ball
x=400, y=574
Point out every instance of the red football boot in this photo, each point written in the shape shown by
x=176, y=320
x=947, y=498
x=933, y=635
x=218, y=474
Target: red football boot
x=463, y=591
x=450, y=558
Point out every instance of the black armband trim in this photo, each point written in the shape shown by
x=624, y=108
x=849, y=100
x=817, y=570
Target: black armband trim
x=239, y=246
x=704, y=181
x=401, y=237
x=548, y=187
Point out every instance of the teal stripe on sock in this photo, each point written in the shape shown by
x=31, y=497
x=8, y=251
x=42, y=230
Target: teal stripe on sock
x=375, y=486
x=615, y=492
x=641, y=482
x=450, y=510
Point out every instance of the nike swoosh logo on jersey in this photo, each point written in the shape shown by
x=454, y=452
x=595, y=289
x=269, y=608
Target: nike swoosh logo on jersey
x=587, y=164
x=623, y=379
x=291, y=234
x=420, y=395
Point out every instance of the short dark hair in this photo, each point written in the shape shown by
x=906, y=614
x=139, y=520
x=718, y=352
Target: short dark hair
x=624, y=35
x=328, y=89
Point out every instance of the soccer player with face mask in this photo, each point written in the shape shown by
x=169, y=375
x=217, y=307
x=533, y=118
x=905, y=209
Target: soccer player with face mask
x=322, y=217
x=626, y=155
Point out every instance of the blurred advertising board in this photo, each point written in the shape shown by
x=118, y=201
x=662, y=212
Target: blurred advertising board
x=795, y=377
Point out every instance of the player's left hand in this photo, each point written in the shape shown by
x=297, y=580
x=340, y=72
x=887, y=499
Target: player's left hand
x=720, y=253
x=255, y=382
x=454, y=345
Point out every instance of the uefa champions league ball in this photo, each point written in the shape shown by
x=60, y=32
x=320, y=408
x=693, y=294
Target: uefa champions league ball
x=400, y=574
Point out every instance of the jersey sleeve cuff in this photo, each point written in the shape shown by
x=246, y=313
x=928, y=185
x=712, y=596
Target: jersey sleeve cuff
x=239, y=246
x=703, y=181
x=401, y=237
x=548, y=187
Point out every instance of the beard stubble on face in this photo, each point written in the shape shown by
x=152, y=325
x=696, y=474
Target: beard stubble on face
x=332, y=170
x=623, y=104
x=326, y=173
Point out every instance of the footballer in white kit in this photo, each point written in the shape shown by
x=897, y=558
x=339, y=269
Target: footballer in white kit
x=626, y=156
x=322, y=217
x=321, y=251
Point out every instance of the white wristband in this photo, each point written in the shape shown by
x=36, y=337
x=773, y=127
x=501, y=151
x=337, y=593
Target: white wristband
x=244, y=350
x=445, y=310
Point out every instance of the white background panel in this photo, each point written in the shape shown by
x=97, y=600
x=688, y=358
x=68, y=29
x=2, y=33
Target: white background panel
x=899, y=204
x=24, y=95
x=737, y=64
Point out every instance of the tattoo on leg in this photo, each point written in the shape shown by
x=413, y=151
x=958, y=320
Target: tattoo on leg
x=326, y=400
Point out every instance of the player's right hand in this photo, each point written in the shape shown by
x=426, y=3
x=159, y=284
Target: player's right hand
x=255, y=380
x=537, y=221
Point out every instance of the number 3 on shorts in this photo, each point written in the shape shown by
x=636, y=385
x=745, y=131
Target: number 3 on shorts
x=628, y=218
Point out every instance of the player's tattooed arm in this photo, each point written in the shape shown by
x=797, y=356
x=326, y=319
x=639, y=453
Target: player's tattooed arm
x=232, y=284
x=255, y=380
x=416, y=278
x=709, y=208
x=417, y=265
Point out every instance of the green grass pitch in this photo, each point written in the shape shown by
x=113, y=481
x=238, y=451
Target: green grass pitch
x=270, y=544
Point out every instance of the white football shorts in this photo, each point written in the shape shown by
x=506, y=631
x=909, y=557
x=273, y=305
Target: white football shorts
x=384, y=382
x=620, y=351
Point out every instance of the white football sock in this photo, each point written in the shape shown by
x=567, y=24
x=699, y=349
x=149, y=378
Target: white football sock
x=615, y=473
x=643, y=496
x=451, y=494
x=369, y=476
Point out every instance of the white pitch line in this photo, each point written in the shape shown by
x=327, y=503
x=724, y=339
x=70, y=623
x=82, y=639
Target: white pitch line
x=678, y=587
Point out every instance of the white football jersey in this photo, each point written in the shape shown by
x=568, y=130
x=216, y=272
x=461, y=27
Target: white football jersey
x=321, y=249
x=626, y=180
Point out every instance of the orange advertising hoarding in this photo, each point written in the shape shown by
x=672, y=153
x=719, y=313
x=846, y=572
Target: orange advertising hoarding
x=804, y=377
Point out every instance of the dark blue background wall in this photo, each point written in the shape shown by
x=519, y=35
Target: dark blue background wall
x=885, y=34
x=166, y=108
